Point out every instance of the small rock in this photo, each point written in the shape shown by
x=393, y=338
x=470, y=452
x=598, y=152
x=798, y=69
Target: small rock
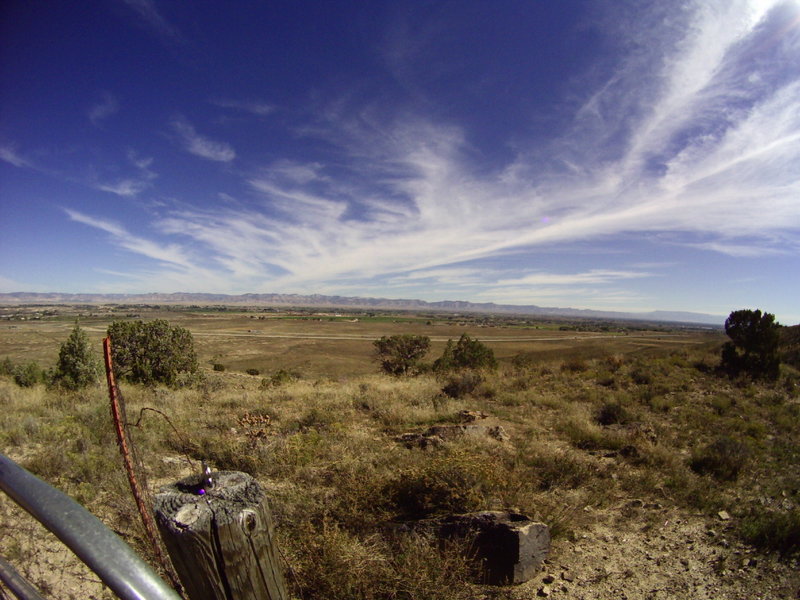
x=711, y=533
x=567, y=576
x=723, y=515
x=544, y=591
x=548, y=578
x=749, y=562
x=470, y=416
x=498, y=433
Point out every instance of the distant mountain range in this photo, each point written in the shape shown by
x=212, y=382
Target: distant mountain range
x=317, y=300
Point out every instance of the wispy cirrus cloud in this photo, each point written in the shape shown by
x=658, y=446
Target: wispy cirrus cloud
x=593, y=276
x=200, y=145
x=102, y=110
x=170, y=254
x=9, y=154
x=130, y=186
x=150, y=15
x=125, y=187
x=254, y=107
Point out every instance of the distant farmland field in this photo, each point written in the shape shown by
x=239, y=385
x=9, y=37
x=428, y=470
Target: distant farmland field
x=332, y=345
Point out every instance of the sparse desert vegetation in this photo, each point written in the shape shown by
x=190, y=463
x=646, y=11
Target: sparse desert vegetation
x=658, y=475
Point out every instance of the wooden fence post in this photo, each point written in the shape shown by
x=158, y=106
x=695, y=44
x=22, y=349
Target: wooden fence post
x=221, y=540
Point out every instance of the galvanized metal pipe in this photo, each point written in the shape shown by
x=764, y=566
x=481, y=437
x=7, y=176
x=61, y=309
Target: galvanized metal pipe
x=19, y=586
x=117, y=565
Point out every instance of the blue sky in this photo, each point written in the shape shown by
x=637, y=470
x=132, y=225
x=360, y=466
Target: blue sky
x=609, y=155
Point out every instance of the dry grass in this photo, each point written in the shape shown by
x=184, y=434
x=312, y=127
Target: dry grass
x=585, y=431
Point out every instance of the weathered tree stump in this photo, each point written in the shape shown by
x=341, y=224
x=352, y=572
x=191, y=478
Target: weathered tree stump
x=221, y=540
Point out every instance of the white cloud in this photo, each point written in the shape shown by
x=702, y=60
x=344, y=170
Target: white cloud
x=10, y=155
x=259, y=109
x=738, y=250
x=125, y=187
x=130, y=186
x=447, y=276
x=107, y=107
x=170, y=254
x=594, y=276
x=202, y=146
x=152, y=17
x=573, y=297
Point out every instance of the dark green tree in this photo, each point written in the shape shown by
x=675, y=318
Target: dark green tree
x=77, y=367
x=753, y=349
x=401, y=354
x=151, y=352
x=467, y=353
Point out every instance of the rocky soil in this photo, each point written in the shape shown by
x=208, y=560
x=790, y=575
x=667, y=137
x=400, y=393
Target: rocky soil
x=642, y=551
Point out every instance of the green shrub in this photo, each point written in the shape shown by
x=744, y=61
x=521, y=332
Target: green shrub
x=615, y=362
x=316, y=419
x=29, y=375
x=153, y=352
x=253, y=372
x=553, y=468
x=722, y=403
x=575, y=365
x=78, y=367
x=461, y=384
x=586, y=435
x=773, y=530
x=467, y=353
x=6, y=367
x=524, y=360
x=452, y=483
x=641, y=376
x=283, y=377
x=791, y=384
x=607, y=380
x=612, y=413
x=219, y=367
x=723, y=459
